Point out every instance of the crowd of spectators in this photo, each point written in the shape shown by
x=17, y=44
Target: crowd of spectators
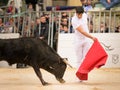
x=27, y=24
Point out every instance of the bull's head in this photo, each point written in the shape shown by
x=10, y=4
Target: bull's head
x=58, y=69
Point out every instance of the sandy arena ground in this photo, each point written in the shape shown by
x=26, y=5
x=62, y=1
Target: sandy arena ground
x=26, y=79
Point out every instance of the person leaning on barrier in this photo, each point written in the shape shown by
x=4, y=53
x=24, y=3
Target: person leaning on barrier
x=63, y=28
x=42, y=29
x=10, y=27
x=104, y=28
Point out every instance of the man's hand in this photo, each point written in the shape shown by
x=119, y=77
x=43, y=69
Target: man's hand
x=94, y=38
x=41, y=37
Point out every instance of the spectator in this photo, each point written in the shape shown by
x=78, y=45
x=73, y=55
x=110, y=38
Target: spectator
x=23, y=6
x=47, y=17
x=117, y=29
x=44, y=28
x=37, y=28
x=54, y=32
x=1, y=25
x=109, y=3
x=25, y=32
x=42, y=33
x=1, y=11
x=30, y=7
x=20, y=25
x=11, y=8
x=64, y=15
x=86, y=5
x=91, y=26
x=63, y=28
x=33, y=2
x=10, y=26
x=30, y=10
x=64, y=21
x=64, y=25
x=103, y=27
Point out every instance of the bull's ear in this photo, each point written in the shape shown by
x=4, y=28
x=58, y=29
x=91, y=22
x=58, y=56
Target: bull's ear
x=65, y=60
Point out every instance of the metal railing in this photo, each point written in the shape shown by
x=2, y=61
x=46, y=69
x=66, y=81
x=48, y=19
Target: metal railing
x=109, y=18
x=25, y=22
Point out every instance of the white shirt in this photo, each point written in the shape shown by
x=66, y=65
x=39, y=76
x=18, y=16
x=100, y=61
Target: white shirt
x=76, y=22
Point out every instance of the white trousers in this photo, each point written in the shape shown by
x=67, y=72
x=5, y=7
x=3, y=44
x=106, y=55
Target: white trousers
x=81, y=49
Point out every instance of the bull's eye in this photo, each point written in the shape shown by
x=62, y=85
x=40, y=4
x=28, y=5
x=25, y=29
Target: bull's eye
x=51, y=67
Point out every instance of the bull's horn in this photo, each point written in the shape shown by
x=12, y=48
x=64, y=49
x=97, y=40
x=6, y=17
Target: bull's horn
x=66, y=61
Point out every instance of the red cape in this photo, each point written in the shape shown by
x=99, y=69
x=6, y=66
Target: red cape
x=96, y=57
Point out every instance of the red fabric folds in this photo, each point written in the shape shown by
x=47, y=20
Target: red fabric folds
x=96, y=57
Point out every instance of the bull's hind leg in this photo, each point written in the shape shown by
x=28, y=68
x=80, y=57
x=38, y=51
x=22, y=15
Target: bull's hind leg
x=39, y=74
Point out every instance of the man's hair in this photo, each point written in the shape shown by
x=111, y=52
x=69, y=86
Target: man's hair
x=79, y=9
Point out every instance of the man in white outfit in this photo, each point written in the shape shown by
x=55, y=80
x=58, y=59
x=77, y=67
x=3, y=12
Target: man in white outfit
x=81, y=41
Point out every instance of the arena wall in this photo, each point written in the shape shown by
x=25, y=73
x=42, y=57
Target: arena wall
x=109, y=41
x=7, y=36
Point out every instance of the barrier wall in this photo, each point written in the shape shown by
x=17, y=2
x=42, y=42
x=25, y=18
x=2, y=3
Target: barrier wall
x=109, y=41
x=7, y=36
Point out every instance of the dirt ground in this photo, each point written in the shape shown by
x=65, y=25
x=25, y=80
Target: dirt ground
x=26, y=79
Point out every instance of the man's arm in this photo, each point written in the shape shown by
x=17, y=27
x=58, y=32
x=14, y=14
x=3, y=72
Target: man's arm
x=80, y=29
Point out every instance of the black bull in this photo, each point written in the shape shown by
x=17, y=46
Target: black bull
x=35, y=53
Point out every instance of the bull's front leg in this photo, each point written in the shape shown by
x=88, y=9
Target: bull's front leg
x=39, y=74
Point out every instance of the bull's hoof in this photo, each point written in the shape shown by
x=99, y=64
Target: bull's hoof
x=61, y=80
x=45, y=83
